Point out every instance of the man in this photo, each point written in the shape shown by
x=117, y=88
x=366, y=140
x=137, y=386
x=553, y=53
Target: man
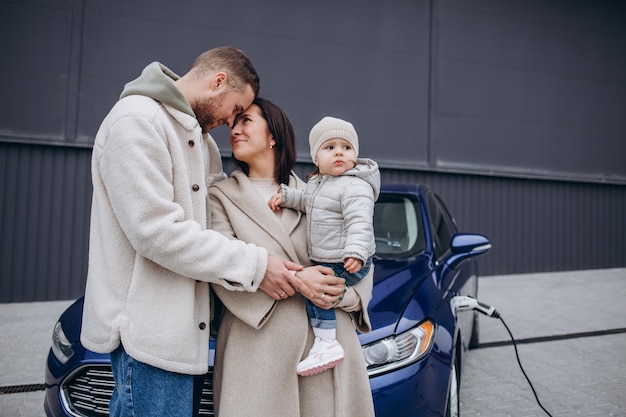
x=151, y=256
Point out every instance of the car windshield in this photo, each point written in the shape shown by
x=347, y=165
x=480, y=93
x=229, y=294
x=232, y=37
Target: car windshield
x=398, y=226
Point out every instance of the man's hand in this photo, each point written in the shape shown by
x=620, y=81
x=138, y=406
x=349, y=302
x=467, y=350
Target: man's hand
x=279, y=282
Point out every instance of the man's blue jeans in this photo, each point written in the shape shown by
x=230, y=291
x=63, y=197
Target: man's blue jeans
x=145, y=391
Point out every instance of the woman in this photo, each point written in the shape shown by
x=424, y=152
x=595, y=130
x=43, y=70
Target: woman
x=261, y=340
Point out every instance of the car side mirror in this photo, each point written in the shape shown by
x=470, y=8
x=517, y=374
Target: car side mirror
x=465, y=246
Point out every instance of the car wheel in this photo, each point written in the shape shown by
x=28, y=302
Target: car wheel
x=453, y=408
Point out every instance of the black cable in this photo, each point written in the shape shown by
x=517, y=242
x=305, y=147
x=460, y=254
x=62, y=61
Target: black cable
x=522, y=368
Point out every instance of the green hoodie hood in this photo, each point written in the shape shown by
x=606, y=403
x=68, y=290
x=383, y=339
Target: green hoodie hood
x=157, y=82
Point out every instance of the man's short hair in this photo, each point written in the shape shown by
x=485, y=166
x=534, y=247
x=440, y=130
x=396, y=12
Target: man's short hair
x=233, y=62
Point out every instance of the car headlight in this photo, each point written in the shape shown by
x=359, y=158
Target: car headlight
x=399, y=351
x=61, y=347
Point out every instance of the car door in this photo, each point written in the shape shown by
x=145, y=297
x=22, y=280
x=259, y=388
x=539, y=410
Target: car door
x=443, y=227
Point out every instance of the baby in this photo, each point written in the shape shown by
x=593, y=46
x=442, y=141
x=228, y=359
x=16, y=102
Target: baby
x=339, y=203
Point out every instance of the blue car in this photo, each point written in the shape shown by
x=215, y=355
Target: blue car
x=414, y=353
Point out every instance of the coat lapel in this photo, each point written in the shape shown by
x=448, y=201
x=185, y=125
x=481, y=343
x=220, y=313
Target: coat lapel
x=262, y=215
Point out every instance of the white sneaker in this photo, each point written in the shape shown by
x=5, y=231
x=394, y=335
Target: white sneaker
x=324, y=354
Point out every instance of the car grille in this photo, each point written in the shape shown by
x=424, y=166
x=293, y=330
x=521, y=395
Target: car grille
x=87, y=392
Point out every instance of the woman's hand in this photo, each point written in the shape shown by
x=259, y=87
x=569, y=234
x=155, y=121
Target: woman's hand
x=327, y=289
x=280, y=281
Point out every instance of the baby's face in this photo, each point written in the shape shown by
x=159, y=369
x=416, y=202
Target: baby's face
x=335, y=157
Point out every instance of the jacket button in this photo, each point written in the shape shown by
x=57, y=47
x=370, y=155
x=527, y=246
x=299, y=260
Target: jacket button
x=202, y=326
x=191, y=143
x=195, y=187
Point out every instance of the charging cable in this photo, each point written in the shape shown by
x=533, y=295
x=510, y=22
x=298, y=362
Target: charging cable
x=467, y=303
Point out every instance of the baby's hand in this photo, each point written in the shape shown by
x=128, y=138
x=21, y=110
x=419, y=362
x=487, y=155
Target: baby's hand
x=353, y=265
x=275, y=201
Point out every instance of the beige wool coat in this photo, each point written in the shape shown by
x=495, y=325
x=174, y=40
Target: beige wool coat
x=260, y=340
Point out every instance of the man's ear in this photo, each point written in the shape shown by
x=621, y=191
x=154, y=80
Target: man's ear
x=218, y=81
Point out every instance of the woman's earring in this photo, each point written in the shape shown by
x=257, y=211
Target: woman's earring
x=271, y=146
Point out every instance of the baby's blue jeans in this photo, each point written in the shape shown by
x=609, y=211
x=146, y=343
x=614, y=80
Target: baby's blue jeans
x=326, y=319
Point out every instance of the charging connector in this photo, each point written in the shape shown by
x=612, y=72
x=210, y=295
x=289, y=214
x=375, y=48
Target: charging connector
x=466, y=303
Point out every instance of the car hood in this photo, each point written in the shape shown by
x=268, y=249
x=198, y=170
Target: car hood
x=72, y=319
x=395, y=284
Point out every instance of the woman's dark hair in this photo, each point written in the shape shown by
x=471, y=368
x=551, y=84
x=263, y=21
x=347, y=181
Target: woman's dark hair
x=284, y=140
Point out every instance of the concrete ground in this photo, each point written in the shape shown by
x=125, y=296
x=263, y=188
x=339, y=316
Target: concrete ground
x=571, y=333
x=570, y=328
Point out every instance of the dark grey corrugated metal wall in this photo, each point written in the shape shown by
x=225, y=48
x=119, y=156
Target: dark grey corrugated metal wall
x=537, y=225
x=534, y=225
x=511, y=111
x=45, y=197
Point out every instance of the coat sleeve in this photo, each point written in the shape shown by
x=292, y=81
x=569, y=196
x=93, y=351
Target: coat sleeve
x=136, y=171
x=293, y=198
x=363, y=288
x=254, y=309
x=358, y=211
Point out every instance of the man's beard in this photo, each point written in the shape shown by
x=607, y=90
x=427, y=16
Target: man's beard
x=206, y=110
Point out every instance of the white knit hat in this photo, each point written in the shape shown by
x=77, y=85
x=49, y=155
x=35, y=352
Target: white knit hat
x=330, y=128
